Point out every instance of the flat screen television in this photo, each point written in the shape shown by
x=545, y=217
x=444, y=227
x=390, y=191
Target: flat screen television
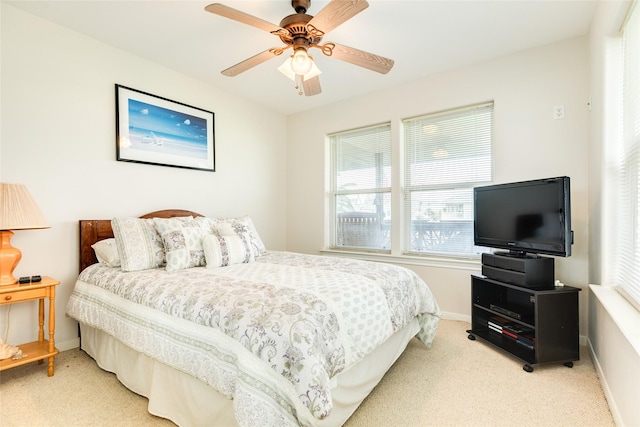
x=529, y=217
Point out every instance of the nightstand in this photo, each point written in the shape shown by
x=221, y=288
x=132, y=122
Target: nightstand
x=41, y=349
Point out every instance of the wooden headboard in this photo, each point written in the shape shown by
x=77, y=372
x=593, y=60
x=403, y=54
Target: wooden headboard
x=94, y=230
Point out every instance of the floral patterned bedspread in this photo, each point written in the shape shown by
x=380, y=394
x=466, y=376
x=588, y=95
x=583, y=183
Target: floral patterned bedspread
x=303, y=318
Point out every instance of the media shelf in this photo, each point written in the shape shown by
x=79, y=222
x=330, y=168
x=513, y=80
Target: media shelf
x=535, y=325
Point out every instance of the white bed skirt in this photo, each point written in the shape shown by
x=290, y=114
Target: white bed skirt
x=187, y=401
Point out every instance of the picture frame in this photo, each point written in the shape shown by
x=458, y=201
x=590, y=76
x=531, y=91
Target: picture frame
x=159, y=131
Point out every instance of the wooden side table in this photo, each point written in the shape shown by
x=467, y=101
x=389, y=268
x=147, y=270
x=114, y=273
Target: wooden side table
x=41, y=349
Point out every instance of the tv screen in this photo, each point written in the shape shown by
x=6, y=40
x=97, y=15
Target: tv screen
x=525, y=217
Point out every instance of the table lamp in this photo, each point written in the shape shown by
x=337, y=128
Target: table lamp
x=18, y=211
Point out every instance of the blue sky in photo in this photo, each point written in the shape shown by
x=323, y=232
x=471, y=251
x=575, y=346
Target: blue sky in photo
x=162, y=121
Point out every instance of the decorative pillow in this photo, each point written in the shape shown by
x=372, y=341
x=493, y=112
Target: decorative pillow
x=107, y=252
x=139, y=245
x=182, y=241
x=231, y=226
x=221, y=251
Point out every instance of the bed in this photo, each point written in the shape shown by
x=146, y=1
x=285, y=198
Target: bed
x=237, y=334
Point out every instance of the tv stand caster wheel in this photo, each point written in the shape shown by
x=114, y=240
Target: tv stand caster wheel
x=569, y=364
x=527, y=368
x=471, y=337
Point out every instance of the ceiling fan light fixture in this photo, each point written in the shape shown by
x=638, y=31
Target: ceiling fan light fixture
x=287, y=69
x=301, y=62
x=314, y=71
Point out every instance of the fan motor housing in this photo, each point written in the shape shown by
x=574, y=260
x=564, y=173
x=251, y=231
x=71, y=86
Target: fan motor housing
x=296, y=20
x=296, y=25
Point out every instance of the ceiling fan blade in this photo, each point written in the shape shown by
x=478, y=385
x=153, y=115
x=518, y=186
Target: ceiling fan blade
x=336, y=13
x=361, y=58
x=249, y=63
x=245, y=18
x=311, y=86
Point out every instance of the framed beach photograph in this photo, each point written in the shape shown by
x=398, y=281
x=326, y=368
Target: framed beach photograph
x=159, y=131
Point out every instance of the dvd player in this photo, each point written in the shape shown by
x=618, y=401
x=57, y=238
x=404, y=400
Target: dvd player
x=506, y=312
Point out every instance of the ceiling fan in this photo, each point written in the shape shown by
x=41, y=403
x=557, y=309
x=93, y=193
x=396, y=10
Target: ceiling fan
x=303, y=32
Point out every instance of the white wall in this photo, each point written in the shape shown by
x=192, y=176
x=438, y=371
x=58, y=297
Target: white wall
x=58, y=138
x=529, y=144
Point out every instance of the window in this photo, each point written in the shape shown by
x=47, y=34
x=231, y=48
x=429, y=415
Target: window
x=627, y=260
x=361, y=188
x=445, y=155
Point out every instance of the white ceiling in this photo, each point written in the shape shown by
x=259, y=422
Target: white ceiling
x=423, y=37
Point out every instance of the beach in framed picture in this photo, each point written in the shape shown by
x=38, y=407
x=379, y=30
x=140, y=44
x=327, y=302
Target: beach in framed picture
x=159, y=131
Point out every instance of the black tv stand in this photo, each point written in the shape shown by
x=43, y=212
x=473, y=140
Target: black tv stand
x=521, y=269
x=536, y=326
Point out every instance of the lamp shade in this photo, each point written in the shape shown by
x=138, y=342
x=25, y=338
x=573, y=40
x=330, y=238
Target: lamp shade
x=18, y=210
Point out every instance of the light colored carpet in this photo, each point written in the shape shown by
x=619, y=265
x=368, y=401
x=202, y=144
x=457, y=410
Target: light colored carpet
x=457, y=382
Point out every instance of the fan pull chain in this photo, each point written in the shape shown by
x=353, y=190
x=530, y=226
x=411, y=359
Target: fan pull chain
x=298, y=85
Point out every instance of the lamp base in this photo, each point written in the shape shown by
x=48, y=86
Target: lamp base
x=9, y=258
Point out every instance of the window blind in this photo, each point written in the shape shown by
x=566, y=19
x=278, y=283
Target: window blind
x=446, y=154
x=449, y=148
x=361, y=187
x=627, y=261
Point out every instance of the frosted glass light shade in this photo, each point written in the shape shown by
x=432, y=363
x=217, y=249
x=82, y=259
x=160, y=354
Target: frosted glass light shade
x=286, y=69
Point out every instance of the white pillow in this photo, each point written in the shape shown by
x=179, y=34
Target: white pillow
x=182, y=241
x=139, y=245
x=231, y=226
x=107, y=252
x=221, y=251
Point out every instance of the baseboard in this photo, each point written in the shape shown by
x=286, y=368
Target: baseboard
x=68, y=344
x=446, y=315
x=615, y=413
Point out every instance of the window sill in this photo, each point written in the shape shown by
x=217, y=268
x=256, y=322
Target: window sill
x=623, y=314
x=456, y=263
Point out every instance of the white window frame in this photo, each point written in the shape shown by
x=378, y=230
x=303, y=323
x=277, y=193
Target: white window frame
x=459, y=121
x=335, y=192
x=626, y=208
x=400, y=221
